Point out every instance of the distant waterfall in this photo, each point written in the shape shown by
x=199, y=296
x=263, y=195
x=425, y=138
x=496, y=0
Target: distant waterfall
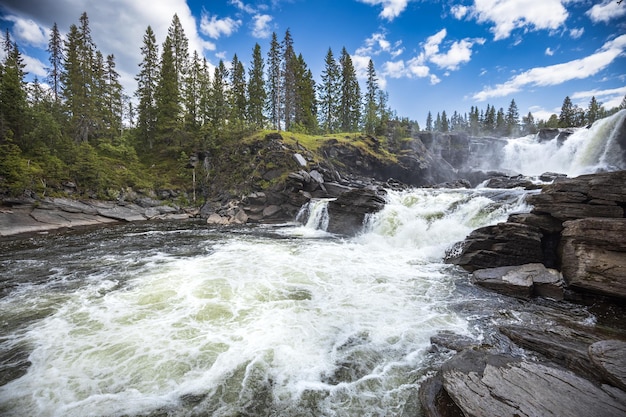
x=587, y=150
x=314, y=214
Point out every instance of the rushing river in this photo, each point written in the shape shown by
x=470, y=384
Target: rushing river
x=177, y=319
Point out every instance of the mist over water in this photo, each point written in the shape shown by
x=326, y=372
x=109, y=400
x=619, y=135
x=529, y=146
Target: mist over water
x=174, y=319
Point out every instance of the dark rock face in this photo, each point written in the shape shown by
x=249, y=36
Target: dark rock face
x=610, y=358
x=504, y=244
x=521, y=281
x=483, y=384
x=347, y=213
x=593, y=254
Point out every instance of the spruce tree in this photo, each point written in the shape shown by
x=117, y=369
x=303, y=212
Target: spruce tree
x=512, y=119
x=146, y=87
x=566, y=118
x=329, y=94
x=305, y=100
x=192, y=95
x=167, y=98
x=501, y=125
x=238, y=101
x=445, y=124
x=256, y=90
x=13, y=104
x=288, y=85
x=180, y=49
x=274, y=82
x=55, y=51
x=371, y=95
x=429, y=122
x=219, y=101
x=593, y=111
x=114, y=94
x=350, y=107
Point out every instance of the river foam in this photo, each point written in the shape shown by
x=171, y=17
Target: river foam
x=269, y=321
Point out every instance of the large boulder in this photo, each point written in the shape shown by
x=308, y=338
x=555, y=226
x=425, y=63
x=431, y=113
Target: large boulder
x=486, y=384
x=504, y=244
x=593, y=255
x=522, y=281
x=347, y=213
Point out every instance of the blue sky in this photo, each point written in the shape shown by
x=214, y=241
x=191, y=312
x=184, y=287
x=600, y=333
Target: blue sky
x=429, y=55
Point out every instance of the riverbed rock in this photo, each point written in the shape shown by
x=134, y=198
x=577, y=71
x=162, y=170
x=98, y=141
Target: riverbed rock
x=521, y=281
x=485, y=384
x=504, y=244
x=593, y=254
x=610, y=358
x=347, y=212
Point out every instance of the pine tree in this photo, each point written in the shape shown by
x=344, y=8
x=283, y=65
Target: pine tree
x=445, y=125
x=238, y=101
x=256, y=90
x=305, y=100
x=219, y=100
x=501, y=125
x=429, y=122
x=13, y=104
x=167, y=98
x=512, y=119
x=274, y=82
x=566, y=118
x=350, y=107
x=192, y=95
x=113, y=98
x=290, y=64
x=529, y=126
x=146, y=86
x=55, y=51
x=371, y=94
x=329, y=94
x=180, y=49
x=490, y=119
x=593, y=112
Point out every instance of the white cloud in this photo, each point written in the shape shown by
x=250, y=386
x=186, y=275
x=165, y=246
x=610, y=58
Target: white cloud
x=459, y=11
x=34, y=66
x=559, y=73
x=261, y=26
x=214, y=27
x=549, y=51
x=610, y=98
x=606, y=11
x=243, y=7
x=576, y=33
x=508, y=15
x=460, y=52
x=117, y=26
x=377, y=43
x=391, y=8
x=27, y=31
x=434, y=80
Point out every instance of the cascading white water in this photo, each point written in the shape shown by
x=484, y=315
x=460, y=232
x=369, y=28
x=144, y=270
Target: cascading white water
x=587, y=150
x=314, y=214
x=194, y=322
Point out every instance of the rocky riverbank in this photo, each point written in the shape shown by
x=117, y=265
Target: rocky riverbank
x=570, y=247
x=29, y=215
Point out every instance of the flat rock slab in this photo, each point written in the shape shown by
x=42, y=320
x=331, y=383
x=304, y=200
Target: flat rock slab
x=610, y=357
x=483, y=384
x=521, y=281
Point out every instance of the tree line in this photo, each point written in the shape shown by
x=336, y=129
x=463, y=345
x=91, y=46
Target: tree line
x=500, y=123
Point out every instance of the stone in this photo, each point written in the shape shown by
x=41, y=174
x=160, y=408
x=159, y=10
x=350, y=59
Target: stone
x=505, y=280
x=240, y=217
x=271, y=211
x=128, y=214
x=299, y=159
x=610, y=357
x=347, y=212
x=504, y=244
x=483, y=384
x=593, y=255
x=217, y=220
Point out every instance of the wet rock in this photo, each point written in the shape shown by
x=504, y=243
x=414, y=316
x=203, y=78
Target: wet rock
x=504, y=244
x=483, y=384
x=610, y=358
x=347, y=213
x=128, y=214
x=507, y=182
x=593, y=253
x=452, y=341
x=435, y=400
x=521, y=281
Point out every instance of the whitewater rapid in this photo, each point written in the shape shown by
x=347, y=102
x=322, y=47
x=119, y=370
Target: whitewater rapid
x=275, y=320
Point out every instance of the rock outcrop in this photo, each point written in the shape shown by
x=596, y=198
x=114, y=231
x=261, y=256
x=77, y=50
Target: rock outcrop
x=27, y=215
x=347, y=213
x=576, y=225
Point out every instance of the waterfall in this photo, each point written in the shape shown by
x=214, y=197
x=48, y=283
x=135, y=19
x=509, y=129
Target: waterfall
x=587, y=150
x=314, y=214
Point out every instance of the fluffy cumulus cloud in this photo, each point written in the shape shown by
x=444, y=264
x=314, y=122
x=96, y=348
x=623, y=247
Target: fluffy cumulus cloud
x=606, y=11
x=557, y=74
x=261, y=26
x=391, y=8
x=434, y=51
x=27, y=31
x=508, y=15
x=214, y=27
